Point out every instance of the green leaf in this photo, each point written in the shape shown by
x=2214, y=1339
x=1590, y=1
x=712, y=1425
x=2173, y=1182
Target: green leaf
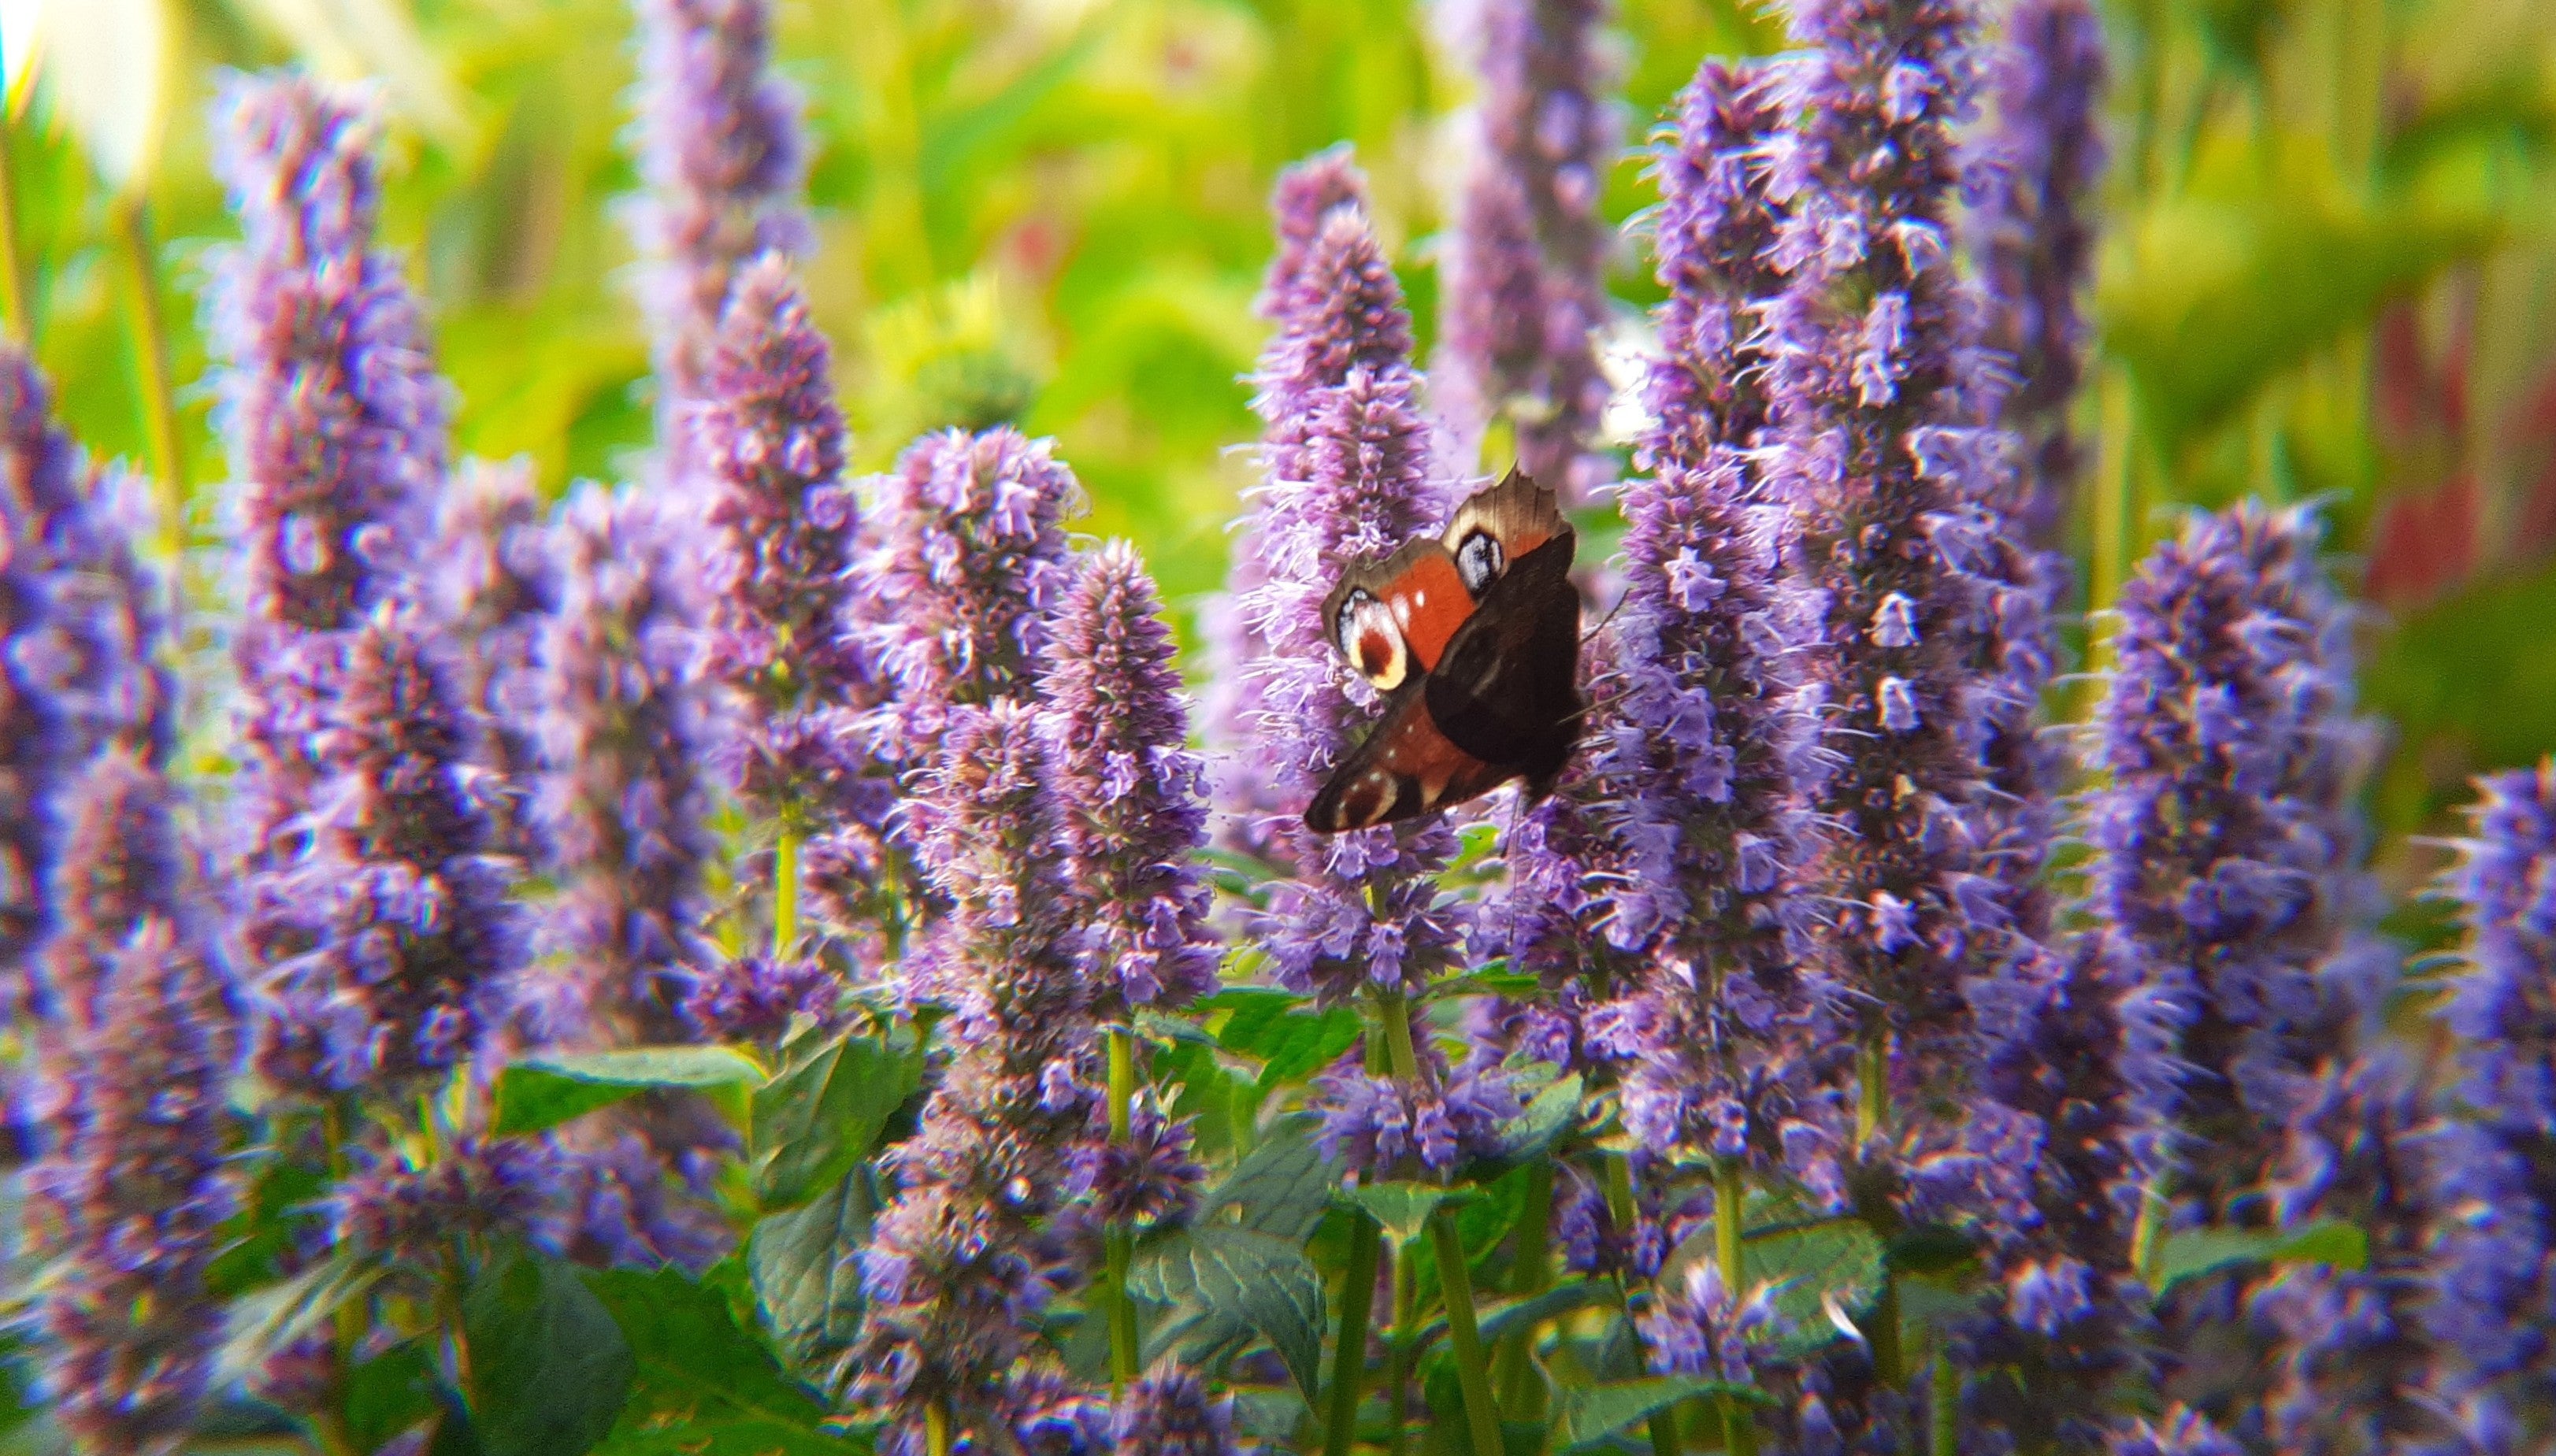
x=264, y=1322
x=550, y=1367
x=1546, y=1121
x=704, y=1387
x=1499, y=1320
x=1403, y=1207
x=1259, y=1279
x=1587, y=1415
x=820, y=1113
x=1831, y=1265
x=798, y=1264
x=1927, y=1249
x=389, y=1394
x=1275, y=1027
x=1280, y=1187
x=545, y=1091
x=2191, y=1253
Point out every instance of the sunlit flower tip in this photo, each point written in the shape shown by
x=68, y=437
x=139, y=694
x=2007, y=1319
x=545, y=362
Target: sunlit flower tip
x=1128, y=787
x=131, y=1204
x=1171, y=1411
x=971, y=561
x=121, y=862
x=1306, y=193
x=720, y=151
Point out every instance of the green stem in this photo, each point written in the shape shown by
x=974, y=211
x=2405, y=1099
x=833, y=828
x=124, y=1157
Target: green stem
x=936, y=1429
x=1348, y=1357
x=151, y=349
x=16, y=295
x=1394, y=1014
x=1664, y=1432
x=1520, y=1392
x=1464, y=1336
x=1945, y=1437
x=1888, y=1366
x=2144, y=1243
x=785, y=889
x=1121, y=1239
x=1872, y=1077
x=1729, y=1204
x=1405, y=1345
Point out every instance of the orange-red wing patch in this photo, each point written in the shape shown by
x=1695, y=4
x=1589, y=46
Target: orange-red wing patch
x=1415, y=596
x=1405, y=768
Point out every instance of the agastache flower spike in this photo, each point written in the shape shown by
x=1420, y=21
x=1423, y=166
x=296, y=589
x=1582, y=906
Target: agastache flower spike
x=1711, y=731
x=720, y=152
x=1524, y=271
x=1128, y=787
x=414, y=944
x=1170, y=1411
x=130, y=1207
x=81, y=623
x=965, y=1256
x=627, y=727
x=971, y=561
x=489, y=582
x=122, y=862
x=2493, y=1308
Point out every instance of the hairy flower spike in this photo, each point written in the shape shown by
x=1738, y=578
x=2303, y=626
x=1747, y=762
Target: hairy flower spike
x=720, y=152
x=965, y=1254
x=491, y=584
x=414, y=944
x=1171, y=1412
x=1524, y=287
x=1127, y=786
x=122, y=862
x=130, y=1206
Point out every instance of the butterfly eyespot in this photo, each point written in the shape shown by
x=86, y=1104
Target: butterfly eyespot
x=1480, y=560
x=1371, y=639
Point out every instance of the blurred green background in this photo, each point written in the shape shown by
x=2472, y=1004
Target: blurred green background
x=2329, y=269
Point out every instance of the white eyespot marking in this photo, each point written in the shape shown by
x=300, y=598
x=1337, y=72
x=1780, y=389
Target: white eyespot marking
x=1480, y=560
x=1371, y=639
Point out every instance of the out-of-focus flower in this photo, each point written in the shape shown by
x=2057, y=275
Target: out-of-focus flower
x=410, y=1217
x=490, y=582
x=754, y=998
x=1701, y=1327
x=122, y=862
x=2182, y=1432
x=1170, y=1411
x=1149, y=1181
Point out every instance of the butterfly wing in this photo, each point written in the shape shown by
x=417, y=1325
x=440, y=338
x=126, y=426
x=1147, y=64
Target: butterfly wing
x=1393, y=619
x=1507, y=689
x=1405, y=768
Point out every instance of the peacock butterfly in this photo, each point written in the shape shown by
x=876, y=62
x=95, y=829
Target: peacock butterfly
x=1474, y=636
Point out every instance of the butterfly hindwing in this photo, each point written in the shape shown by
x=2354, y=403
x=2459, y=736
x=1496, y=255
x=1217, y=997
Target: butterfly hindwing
x=1507, y=689
x=1404, y=769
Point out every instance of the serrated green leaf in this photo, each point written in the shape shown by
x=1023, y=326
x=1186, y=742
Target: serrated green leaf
x=550, y=1367
x=822, y=1112
x=1587, y=1415
x=542, y=1092
x=1546, y=1121
x=2190, y=1253
x=1403, y=1208
x=1280, y=1187
x=704, y=1387
x=798, y=1264
x=1258, y=1279
x=1836, y=1263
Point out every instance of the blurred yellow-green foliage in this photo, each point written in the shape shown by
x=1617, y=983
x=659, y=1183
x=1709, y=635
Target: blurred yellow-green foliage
x=2328, y=269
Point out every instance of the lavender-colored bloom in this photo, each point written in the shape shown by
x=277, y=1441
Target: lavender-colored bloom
x=2227, y=845
x=2183, y=1432
x=413, y=943
x=1170, y=1411
x=2492, y=1306
x=2035, y=237
x=625, y=731
x=965, y=1256
x=409, y=1216
x=755, y=998
x=1051, y=1413
x=970, y=563
x=130, y=1206
x=1710, y=733
x=720, y=149
x=79, y=623
x=1384, y=1126
x=1523, y=287
x=1700, y=1326
x=122, y=862
x=1126, y=786
x=1149, y=1181
x=2354, y=1354
x=610, y=1200
x=490, y=585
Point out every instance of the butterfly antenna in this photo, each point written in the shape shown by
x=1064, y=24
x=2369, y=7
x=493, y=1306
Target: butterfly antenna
x=1592, y=634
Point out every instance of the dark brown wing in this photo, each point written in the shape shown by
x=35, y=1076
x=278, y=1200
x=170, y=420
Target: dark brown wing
x=1406, y=767
x=1507, y=690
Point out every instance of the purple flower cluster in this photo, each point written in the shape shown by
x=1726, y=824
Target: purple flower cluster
x=627, y=727
x=1702, y=1326
x=79, y=623
x=1523, y=274
x=1150, y=1181
x=720, y=149
x=965, y=1257
x=413, y=943
x=2493, y=1304
x=1172, y=1412
x=130, y=1206
x=1128, y=787
x=1385, y=1127
x=491, y=587
x=2226, y=843
x=122, y=862
x=410, y=1216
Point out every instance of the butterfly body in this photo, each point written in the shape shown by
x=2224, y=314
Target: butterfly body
x=1475, y=638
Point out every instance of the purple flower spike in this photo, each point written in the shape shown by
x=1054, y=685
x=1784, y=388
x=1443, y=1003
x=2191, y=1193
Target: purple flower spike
x=130, y=1207
x=121, y=863
x=2492, y=1309
x=1127, y=786
x=411, y=1216
x=414, y=944
x=626, y=725
x=1172, y=1412
x=1524, y=271
x=80, y=624
x=720, y=149
x=1147, y=1183
x=966, y=1254
x=490, y=583
x=971, y=562
x=1386, y=1127
x=2226, y=845
x=1701, y=1327
x=2035, y=234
